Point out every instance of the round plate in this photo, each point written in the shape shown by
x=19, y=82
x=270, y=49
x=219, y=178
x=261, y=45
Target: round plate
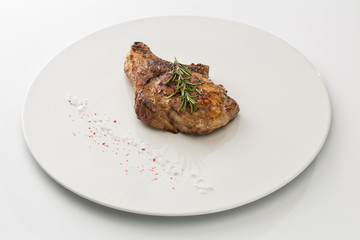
x=284, y=119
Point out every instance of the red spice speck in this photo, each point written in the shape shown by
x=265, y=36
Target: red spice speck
x=95, y=114
x=154, y=160
x=172, y=188
x=126, y=170
x=127, y=154
x=182, y=169
x=155, y=179
x=103, y=143
x=127, y=160
x=114, y=121
x=143, y=149
x=94, y=133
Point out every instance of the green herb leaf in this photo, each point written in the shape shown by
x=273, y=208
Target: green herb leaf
x=181, y=74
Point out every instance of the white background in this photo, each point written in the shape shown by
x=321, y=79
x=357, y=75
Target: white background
x=322, y=203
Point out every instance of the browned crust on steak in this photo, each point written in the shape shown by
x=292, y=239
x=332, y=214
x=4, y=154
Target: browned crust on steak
x=148, y=74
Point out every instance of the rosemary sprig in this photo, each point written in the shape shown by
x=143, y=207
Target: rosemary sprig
x=181, y=74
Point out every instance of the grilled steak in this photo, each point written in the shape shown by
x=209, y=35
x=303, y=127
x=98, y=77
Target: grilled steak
x=148, y=74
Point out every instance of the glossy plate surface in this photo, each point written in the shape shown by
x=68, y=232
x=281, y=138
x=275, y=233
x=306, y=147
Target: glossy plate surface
x=284, y=119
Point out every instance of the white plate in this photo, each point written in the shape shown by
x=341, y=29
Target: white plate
x=283, y=122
